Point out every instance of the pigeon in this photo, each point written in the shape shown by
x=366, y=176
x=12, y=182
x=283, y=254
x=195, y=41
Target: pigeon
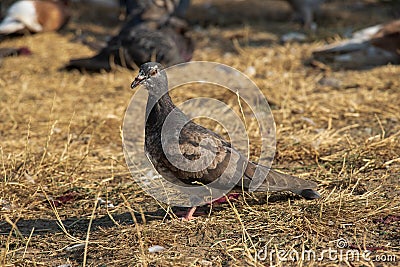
x=135, y=45
x=196, y=141
x=306, y=10
x=372, y=46
x=35, y=16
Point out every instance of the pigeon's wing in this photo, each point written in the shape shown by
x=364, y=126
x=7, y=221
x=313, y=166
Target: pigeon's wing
x=210, y=157
x=182, y=46
x=143, y=45
x=228, y=163
x=200, y=156
x=164, y=45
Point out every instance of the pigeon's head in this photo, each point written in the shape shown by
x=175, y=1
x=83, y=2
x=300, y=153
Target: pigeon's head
x=153, y=76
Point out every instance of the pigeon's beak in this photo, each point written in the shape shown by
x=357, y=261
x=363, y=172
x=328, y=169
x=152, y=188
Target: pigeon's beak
x=138, y=80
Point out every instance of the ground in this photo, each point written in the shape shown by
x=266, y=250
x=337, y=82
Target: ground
x=61, y=150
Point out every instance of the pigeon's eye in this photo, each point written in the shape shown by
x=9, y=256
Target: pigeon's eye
x=153, y=72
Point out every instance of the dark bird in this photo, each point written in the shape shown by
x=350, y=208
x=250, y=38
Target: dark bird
x=197, y=142
x=306, y=11
x=134, y=45
x=35, y=16
x=373, y=46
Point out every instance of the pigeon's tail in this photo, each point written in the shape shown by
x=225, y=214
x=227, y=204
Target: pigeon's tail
x=8, y=27
x=277, y=181
x=89, y=64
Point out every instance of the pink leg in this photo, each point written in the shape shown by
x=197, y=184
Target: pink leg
x=221, y=200
x=189, y=214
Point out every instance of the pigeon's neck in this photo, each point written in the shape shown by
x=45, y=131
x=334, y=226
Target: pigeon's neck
x=157, y=109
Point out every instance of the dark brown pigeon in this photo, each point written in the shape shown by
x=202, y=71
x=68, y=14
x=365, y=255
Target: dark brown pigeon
x=306, y=10
x=134, y=45
x=373, y=46
x=196, y=141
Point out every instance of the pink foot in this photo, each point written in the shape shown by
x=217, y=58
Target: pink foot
x=189, y=214
x=231, y=196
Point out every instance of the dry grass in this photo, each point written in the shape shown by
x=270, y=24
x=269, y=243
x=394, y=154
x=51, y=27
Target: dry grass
x=61, y=149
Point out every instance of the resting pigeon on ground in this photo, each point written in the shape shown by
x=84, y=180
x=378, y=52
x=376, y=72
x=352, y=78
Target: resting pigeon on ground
x=373, y=46
x=135, y=45
x=306, y=10
x=195, y=141
x=35, y=16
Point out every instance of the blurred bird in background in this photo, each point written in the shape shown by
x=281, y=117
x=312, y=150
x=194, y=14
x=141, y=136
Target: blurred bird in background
x=150, y=33
x=372, y=46
x=35, y=16
x=305, y=10
x=135, y=45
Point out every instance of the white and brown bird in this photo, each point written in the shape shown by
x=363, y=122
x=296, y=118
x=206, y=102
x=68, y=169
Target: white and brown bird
x=35, y=16
x=372, y=46
x=225, y=168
